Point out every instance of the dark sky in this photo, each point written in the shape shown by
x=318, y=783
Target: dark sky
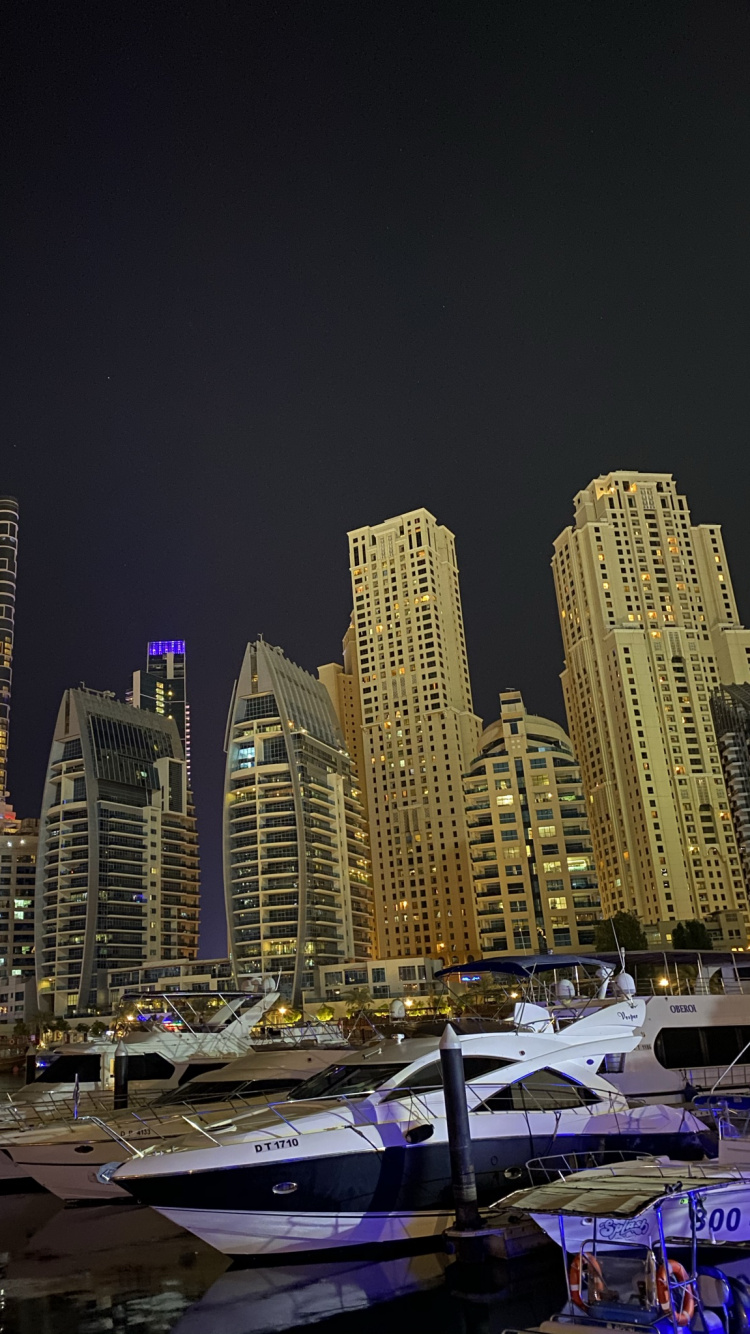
x=271, y=271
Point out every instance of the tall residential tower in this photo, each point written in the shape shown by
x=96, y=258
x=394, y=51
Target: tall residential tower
x=8, y=568
x=419, y=733
x=650, y=627
x=296, y=852
x=162, y=687
x=117, y=879
x=534, y=874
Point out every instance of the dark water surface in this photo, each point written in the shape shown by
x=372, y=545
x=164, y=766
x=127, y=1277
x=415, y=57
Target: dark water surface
x=123, y=1268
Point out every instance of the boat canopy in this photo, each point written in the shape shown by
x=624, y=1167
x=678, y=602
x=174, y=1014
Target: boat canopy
x=608, y=1193
x=523, y=965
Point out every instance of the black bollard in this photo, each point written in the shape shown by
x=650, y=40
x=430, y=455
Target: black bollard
x=459, y=1135
x=30, y=1067
x=121, y=1076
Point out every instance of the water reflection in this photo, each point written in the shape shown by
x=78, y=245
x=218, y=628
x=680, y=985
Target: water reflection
x=90, y=1270
x=121, y=1269
x=288, y=1296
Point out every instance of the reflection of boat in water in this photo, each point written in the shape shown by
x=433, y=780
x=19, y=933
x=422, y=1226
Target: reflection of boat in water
x=258, y=1301
x=363, y=1158
x=21, y=1218
x=103, y=1250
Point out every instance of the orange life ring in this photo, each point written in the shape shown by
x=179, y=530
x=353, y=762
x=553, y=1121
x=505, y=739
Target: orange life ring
x=683, y=1316
x=593, y=1277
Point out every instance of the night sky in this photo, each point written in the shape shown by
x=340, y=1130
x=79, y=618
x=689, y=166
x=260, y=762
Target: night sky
x=271, y=271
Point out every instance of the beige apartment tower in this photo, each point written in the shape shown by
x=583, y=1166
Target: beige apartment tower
x=419, y=734
x=535, y=880
x=650, y=627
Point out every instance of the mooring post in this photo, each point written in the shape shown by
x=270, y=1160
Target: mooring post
x=30, y=1066
x=121, y=1076
x=459, y=1135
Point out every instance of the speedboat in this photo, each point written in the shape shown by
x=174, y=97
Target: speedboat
x=66, y=1158
x=363, y=1156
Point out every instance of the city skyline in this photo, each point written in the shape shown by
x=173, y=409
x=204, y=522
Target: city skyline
x=213, y=915
x=465, y=260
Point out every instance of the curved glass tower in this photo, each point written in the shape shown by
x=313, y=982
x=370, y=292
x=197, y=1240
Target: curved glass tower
x=8, y=559
x=296, y=854
x=117, y=874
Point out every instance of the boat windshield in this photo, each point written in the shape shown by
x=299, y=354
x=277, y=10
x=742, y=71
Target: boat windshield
x=345, y=1079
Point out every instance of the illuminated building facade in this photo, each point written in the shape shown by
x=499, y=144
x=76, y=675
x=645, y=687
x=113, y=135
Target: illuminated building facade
x=650, y=628
x=18, y=851
x=296, y=854
x=535, y=881
x=8, y=570
x=419, y=734
x=117, y=868
x=162, y=687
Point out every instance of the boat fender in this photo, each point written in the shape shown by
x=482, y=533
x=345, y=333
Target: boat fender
x=683, y=1312
x=419, y=1133
x=593, y=1277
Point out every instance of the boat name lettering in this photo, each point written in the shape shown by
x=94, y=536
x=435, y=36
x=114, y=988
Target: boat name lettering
x=614, y=1229
x=682, y=1009
x=625, y=1014
x=277, y=1144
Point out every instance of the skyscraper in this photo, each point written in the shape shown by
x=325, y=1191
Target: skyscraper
x=117, y=876
x=419, y=733
x=650, y=627
x=534, y=878
x=8, y=569
x=730, y=709
x=296, y=853
x=341, y=680
x=18, y=852
x=162, y=687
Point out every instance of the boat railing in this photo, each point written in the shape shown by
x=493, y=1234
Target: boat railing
x=717, y=1077
x=557, y=1166
x=50, y=1108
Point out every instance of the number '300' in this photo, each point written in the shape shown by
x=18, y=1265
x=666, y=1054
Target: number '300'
x=717, y=1221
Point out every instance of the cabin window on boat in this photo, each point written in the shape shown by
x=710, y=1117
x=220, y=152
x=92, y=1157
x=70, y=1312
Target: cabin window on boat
x=431, y=1076
x=63, y=1070
x=214, y=1090
x=681, y=1048
x=199, y=1068
x=345, y=1079
x=149, y=1066
x=540, y=1091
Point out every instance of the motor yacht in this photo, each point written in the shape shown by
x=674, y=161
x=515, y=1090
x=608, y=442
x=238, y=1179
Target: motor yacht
x=696, y=1028
x=362, y=1155
x=65, y=1158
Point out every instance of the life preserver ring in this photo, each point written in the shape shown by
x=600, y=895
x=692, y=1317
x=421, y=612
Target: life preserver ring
x=684, y=1314
x=593, y=1276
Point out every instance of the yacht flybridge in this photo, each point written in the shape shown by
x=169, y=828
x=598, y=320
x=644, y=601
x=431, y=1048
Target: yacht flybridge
x=696, y=1029
x=362, y=1156
x=162, y=1054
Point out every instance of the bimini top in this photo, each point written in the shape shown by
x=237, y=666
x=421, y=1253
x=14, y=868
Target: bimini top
x=523, y=965
x=623, y=1190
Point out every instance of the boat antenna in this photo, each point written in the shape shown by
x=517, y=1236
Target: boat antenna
x=619, y=948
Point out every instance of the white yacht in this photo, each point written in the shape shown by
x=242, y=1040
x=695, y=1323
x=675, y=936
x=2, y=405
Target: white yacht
x=66, y=1158
x=78, y=1078
x=363, y=1156
x=696, y=1033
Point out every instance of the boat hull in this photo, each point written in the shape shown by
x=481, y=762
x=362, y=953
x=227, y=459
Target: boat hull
x=394, y=1193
